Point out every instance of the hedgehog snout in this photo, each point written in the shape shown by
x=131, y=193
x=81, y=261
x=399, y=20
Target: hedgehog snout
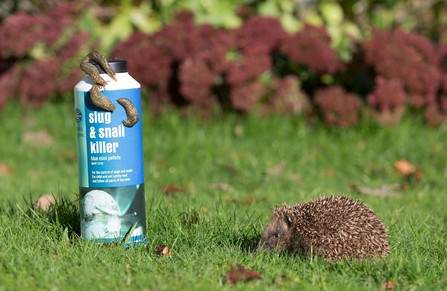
x=269, y=241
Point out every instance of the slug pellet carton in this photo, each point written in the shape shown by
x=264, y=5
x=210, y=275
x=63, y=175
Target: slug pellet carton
x=110, y=160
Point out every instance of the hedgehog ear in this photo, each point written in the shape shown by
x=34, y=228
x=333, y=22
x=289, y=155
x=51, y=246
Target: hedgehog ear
x=283, y=213
x=288, y=219
x=288, y=213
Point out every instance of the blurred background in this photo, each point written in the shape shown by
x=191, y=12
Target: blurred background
x=335, y=61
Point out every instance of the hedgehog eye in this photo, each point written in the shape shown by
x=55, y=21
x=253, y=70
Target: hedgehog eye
x=277, y=235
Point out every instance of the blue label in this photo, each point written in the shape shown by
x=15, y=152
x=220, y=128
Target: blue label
x=110, y=154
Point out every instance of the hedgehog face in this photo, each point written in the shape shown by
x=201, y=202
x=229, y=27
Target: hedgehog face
x=276, y=235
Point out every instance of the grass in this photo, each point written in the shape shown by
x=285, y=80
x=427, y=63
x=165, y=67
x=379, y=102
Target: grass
x=266, y=161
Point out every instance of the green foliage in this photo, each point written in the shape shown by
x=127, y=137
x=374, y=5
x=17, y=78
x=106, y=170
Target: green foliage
x=215, y=12
x=284, y=10
x=127, y=18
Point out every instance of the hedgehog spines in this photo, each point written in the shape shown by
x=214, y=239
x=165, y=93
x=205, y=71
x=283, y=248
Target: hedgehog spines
x=335, y=227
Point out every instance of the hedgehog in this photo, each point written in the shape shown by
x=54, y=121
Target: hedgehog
x=334, y=227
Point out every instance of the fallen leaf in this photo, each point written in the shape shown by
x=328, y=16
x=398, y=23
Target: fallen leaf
x=44, y=202
x=222, y=186
x=279, y=279
x=437, y=148
x=361, y=145
x=241, y=274
x=276, y=170
x=295, y=178
x=238, y=130
x=173, y=188
x=249, y=200
x=389, y=286
x=163, y=250
x=404, y=167
x=386, y=190
x=29, y=122
x=330, y=172
x=110, y=244
x=408, y=171
x=388, y=117
x=418, y=175
x=230, y=169
x=5, y=170
x=68, y=155
x=40, y=137
x=35, y=173
x=189, y=218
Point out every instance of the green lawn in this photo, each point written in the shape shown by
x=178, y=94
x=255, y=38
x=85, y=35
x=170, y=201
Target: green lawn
x=221, y=165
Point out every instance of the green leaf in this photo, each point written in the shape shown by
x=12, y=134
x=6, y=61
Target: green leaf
x=290, y=23
x=144, y=19
x=120, y=28
x=88, y=22
x=287, y=6
x=352, y=30
x=269, y=8
x=314, y=19
x=332, y=13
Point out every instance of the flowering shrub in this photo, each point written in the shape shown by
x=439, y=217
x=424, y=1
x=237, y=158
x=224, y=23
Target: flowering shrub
x=311, y=47
x=256, y=67
x=388, y=100
x=36, y=53
x=409, y=57
x=286, y=96
x=338, y=107
x=200, y=66
x=436, y=113
x=260, y=35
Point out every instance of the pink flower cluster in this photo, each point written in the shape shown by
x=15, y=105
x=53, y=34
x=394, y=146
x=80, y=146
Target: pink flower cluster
x=21, y=31
x=337, y=106
x=257, y=66
x=387, y=101
x=311, y=47
x=182, y=62
x=435, y=114
x=201, y=66
x=408, y=67
x=36, y=80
